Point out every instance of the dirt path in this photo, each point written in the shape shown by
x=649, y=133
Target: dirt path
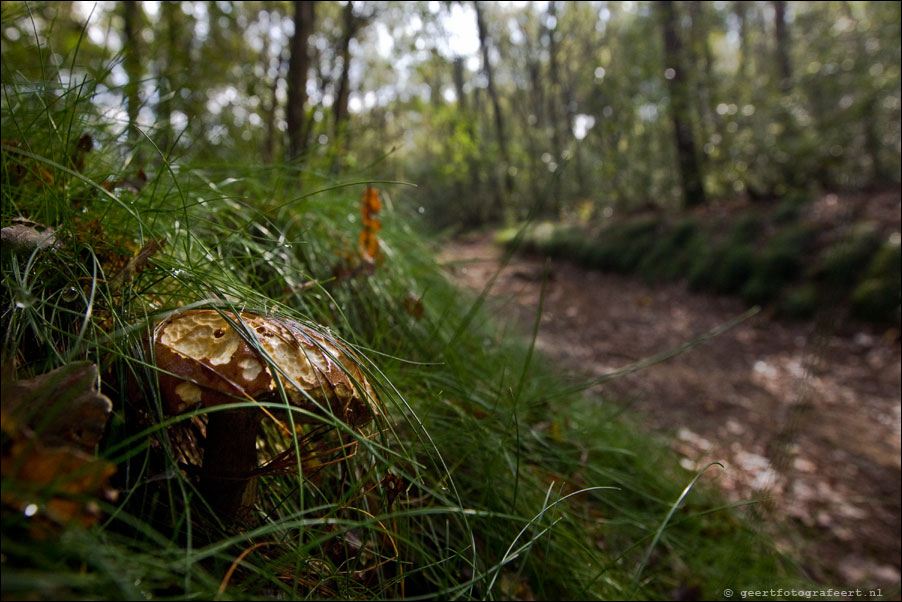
x=794, y=412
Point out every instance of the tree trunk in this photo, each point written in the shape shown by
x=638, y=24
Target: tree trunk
x=168, y=82
x=555, y=115
x=554, y=110
x=740, y=10
x=782, y=38
x=475, y=178
x=504, y=192
x=298, y=65
x=269, y=110
x=351, y=24
x=702, y=61
x=535, y=110
x=131, y=18
x=690, y=169
x=459, y=83
x=342, y=95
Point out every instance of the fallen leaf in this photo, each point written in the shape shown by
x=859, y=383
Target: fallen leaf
x=49, y=424
x=61, y=475
x=26, y=236
x=63, y=406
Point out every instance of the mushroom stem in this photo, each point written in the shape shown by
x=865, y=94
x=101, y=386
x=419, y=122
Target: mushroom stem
x=230, y=456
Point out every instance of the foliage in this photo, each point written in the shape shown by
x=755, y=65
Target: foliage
x=582, y=88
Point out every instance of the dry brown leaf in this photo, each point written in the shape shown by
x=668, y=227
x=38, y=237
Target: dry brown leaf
x=49, y=424
x=63, y=473
x=25, y=236
x=63, y=406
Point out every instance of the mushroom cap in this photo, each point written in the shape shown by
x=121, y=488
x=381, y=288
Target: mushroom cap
x=204, y=360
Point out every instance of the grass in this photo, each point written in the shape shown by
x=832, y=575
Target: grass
x=513, y=483
x=761, y=256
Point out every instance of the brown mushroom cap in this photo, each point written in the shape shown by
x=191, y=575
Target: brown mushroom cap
x=204, y=360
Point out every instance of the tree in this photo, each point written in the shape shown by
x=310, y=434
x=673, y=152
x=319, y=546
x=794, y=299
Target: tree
x=351, y=25
x=168, y=72
x=781, y=35
x=505, y=192
x=690, y=170
x=555, y=115
x=298, y=65
x=131, y=16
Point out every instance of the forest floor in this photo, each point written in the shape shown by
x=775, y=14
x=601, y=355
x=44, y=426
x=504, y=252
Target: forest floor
x=803, y=415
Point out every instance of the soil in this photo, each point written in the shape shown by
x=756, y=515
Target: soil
x=805, y=415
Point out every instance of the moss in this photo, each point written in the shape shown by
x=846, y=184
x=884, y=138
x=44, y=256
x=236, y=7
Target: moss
x=702, y=267
x=790, y=207
x=759, y=289
x=841, y=265
x=877, y=298
x=680, y=266
x=746, y=230
x=801, y=301
x=887, y=264
x=666, y=258
x=733, y=269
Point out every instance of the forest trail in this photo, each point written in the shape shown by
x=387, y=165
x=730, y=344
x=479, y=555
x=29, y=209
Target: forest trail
x=798, y=414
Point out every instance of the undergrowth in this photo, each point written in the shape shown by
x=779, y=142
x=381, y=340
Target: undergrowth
x=485, y=477
x=762, y=256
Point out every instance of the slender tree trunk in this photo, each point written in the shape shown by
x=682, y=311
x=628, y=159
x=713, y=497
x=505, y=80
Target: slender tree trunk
x=269, y=110
x=459, y=83
x=475, y=177
x=782, y=38
x=504, y=192
x=435, y=86
x=554, y=110
x=702, y=61
x=351, y=24
x=555, y=115
x=690, y=169
x=131, y=19
x=740, y=10
x=535, y=112
x=342, y=95
x=298, y=66
x=168, y=76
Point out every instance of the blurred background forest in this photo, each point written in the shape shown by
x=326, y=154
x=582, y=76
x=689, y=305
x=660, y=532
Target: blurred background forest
x=494, y=107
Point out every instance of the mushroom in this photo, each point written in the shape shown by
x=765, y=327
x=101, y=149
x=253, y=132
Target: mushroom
x=211, y=358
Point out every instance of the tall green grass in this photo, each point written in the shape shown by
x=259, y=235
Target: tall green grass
x=515, y=483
